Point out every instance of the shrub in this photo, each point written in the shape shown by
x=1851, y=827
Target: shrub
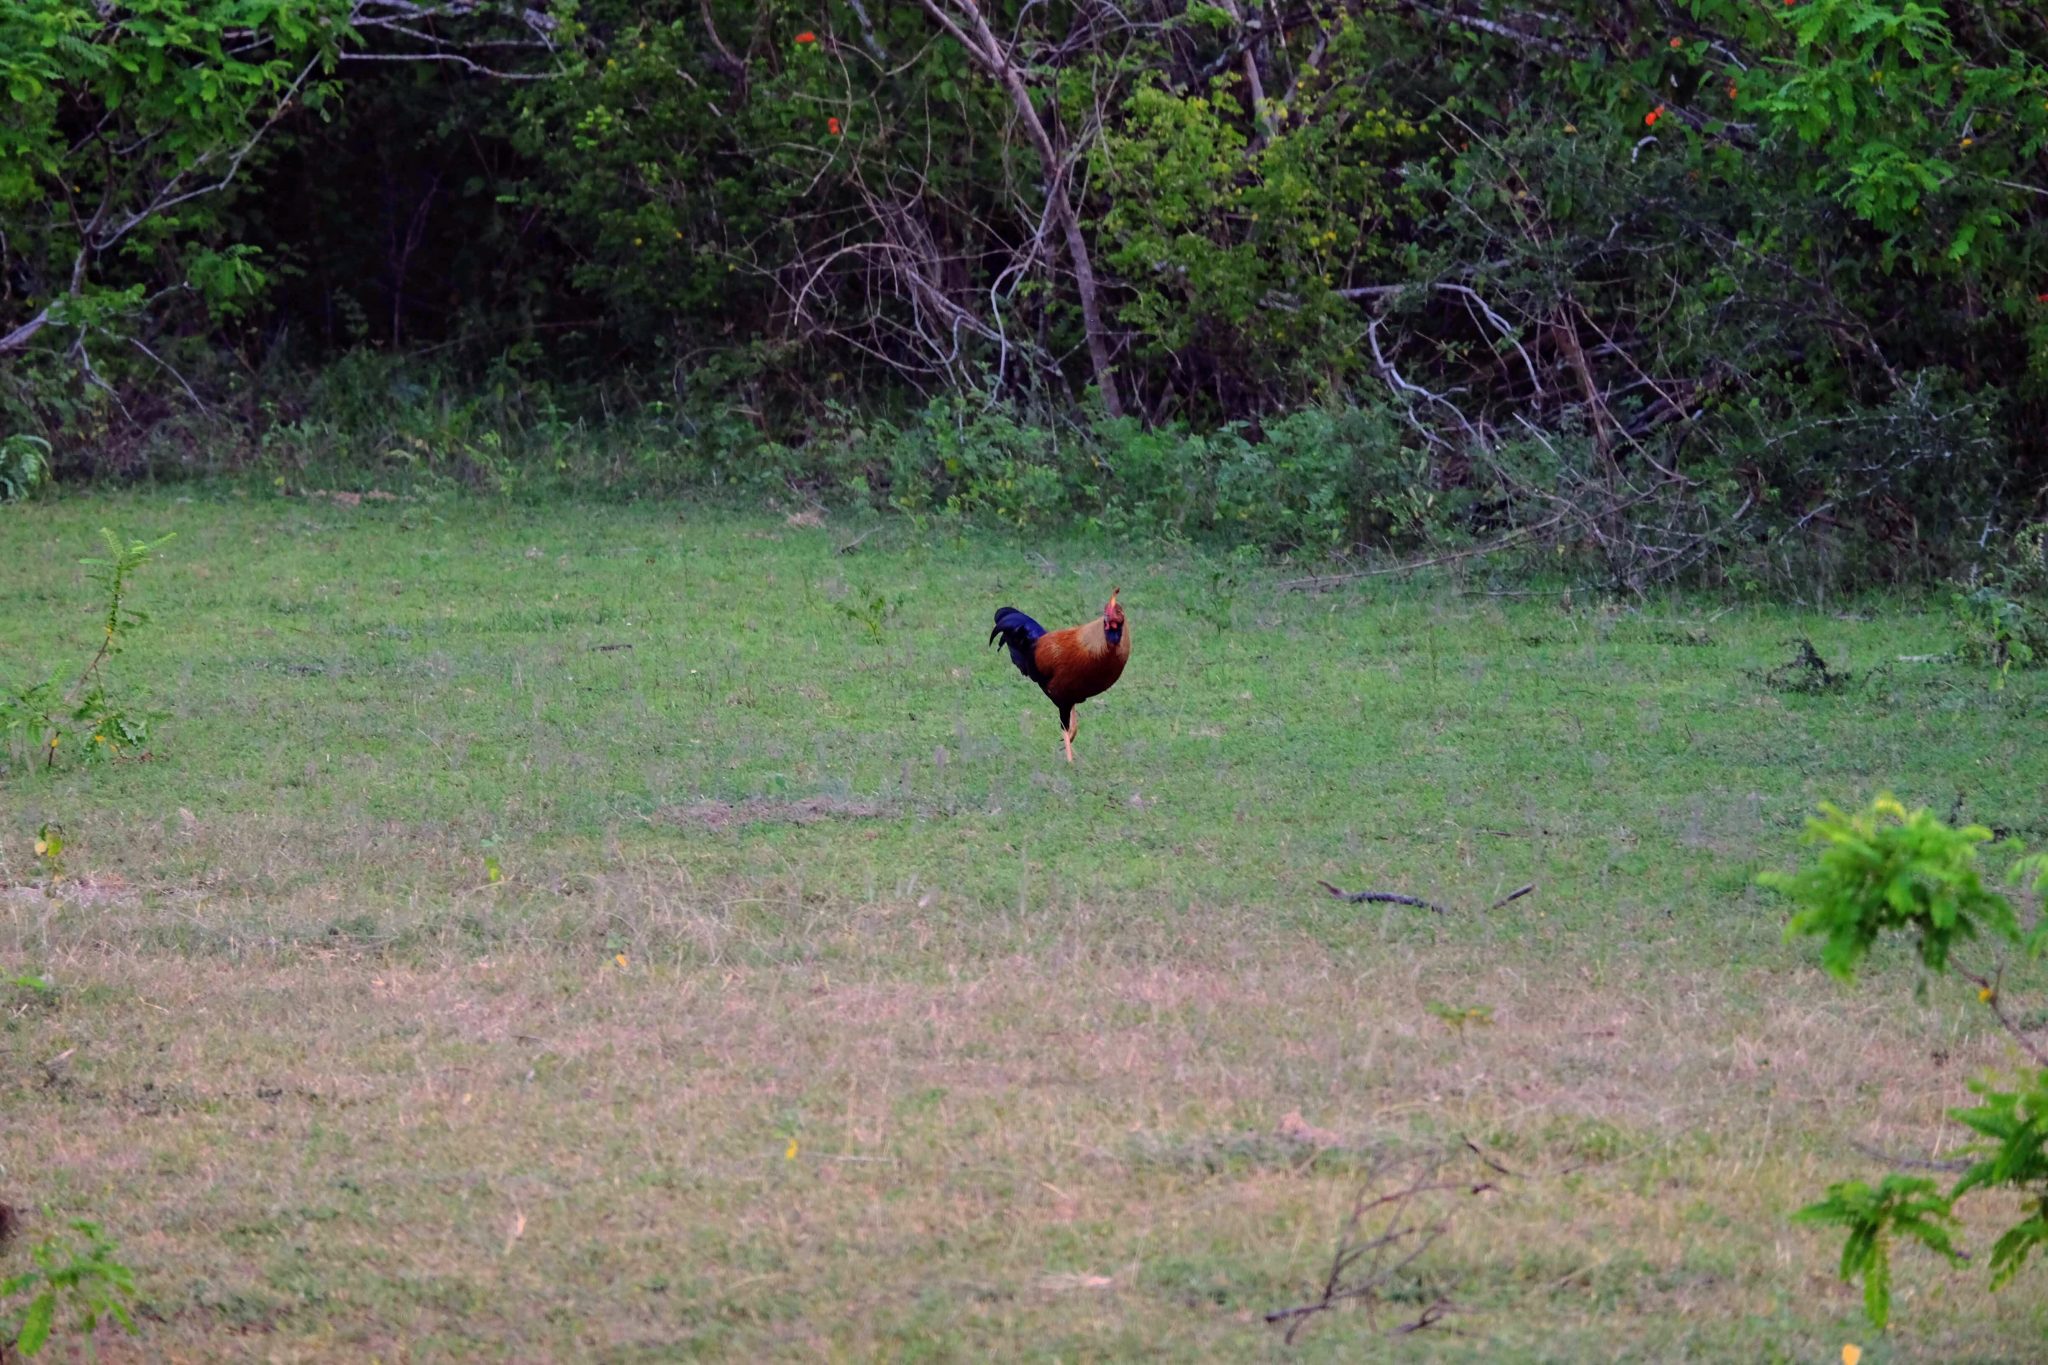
x=24, y=466
x=86, y=718
x=2002, y=619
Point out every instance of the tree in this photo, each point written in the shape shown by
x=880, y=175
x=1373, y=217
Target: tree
x=132, y=125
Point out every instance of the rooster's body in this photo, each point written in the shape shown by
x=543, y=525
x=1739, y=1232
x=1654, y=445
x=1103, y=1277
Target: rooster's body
x=1069, y=666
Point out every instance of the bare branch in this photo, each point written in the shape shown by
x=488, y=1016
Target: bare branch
x=171, y=370
x=456, y=58
x=22, y=335
x=1501, y=324
x=867, y=31
x=988, y=52
x=723, y=57
x=1383, y=1238
x=1496, y=29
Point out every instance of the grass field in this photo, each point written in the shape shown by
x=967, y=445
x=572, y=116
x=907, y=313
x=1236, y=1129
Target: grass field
x=632, y=934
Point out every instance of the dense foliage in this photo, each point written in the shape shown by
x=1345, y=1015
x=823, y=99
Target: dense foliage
x=1695, y=284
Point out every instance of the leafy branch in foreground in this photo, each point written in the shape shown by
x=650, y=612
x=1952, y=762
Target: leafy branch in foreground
x=1898, y=1206
x=81, y=1272
x=97, y=725
x=1887, y=870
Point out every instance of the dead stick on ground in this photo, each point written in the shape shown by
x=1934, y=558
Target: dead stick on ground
x=1380, y=898
x=1910, y=1163
x=1396, y=898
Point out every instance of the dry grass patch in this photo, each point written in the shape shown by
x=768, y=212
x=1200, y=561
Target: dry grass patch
x=722, y=815
x=531, y=1156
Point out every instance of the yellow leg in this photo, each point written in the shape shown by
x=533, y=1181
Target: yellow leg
x=1073, y=728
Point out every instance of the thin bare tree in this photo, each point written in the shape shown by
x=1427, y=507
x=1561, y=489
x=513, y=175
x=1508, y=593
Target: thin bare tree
x=965, y=22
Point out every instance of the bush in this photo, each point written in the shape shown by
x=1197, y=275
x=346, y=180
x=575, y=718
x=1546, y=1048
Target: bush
x=2002, y=619
x=24, y=466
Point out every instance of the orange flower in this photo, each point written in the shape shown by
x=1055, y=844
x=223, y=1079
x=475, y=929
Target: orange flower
x=1650, y=119
x=832, y=126
x=807, y=37
x=1675, y=42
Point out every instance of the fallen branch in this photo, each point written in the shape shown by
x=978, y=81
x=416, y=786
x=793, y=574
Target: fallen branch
x=1380, y=898
x=1381, y=1241
x=1396, y=898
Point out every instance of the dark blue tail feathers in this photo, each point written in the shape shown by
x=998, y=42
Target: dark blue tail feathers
x=1019, y=632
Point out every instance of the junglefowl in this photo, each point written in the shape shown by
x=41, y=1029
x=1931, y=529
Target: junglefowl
x=1071, y=665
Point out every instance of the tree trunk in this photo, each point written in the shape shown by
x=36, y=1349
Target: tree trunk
x=989, y=53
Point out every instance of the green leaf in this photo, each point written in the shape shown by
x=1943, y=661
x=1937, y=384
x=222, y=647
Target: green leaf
x=1906, y=1206
x=36, y=1323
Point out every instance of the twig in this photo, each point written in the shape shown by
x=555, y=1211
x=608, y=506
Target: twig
x=1380, y=898
x=1365, y=1264
x=1909, y=1163
x=1988, y=991
x=171, y=370
x=1514, y=895
x=850, y=546
x=1484, y=1159
x=1396, y=898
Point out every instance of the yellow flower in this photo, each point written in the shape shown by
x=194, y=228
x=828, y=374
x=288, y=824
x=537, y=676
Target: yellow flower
x=99, y=739
x=54, y=739
x=620, y=959
x=790, y=1154
x=1969, y=142
x=1987, y=995
x=1851, y=1354
x=636, y=241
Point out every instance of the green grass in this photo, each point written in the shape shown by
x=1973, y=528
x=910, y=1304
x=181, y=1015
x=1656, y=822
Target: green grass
x=1037, y=1031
